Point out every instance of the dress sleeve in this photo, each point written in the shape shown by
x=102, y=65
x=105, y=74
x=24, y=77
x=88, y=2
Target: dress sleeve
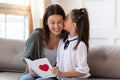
x=81, y=57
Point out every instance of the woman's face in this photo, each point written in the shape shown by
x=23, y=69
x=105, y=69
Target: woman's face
x=55, y=24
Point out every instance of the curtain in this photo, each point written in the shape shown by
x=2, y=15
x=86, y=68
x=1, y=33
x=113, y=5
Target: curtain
x=37, y=9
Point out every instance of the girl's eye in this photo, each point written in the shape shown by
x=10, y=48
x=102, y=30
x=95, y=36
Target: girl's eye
x=66, y=17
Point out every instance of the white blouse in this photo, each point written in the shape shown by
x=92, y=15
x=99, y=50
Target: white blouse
x=73, y=60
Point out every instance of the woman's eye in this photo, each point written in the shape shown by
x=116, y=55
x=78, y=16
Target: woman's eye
x=60, y=22
x=52, y=23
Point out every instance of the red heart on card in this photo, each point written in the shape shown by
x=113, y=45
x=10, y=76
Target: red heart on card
x=44, y=67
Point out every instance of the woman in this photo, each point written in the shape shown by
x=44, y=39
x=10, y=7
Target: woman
x=43, y=42
x=72, y=50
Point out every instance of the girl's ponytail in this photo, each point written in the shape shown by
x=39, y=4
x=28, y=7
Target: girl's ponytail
x=80, y=17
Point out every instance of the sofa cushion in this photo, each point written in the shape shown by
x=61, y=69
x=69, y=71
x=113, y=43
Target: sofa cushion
x=104, y=61
x=11, y=52
x=101, y=79
x=9, y=76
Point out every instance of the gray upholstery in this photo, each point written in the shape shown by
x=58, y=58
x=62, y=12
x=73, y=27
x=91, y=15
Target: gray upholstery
x=11, y=52
x=9, y=75
x=104, y=61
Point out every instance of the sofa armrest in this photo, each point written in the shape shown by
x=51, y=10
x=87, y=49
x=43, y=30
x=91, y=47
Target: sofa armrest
x=11, y=52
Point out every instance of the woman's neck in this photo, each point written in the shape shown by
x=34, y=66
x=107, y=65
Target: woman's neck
x=52, y=36
x=53, y=42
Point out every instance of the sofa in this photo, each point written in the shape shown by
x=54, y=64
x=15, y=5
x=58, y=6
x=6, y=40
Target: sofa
x=103, y=60
x=11, y=65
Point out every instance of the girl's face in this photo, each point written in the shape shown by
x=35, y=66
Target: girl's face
x=68, y=23
x=55, y=24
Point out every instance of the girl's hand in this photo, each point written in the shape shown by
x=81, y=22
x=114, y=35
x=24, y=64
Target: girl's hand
x=56, y=71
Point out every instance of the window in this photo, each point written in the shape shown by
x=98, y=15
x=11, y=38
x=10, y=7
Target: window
x=16, y=2
x=15, y=19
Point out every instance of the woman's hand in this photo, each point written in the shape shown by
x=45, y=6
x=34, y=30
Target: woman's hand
x=31, y=72
x=56, y=71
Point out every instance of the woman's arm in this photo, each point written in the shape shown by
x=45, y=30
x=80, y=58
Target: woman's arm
x=31, y=72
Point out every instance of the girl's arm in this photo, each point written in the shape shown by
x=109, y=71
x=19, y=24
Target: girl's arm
x=58, y=73
x=71, y=74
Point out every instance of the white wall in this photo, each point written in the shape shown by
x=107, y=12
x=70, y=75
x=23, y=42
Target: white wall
x=104, y=18
x=117, y=35
x=69, y=4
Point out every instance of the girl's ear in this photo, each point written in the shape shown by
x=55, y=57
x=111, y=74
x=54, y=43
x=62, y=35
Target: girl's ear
x=74, y=24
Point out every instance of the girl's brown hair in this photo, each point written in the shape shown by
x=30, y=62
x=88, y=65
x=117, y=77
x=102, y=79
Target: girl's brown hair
x=80, y=17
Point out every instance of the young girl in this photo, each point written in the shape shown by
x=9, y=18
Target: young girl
x=72, y=50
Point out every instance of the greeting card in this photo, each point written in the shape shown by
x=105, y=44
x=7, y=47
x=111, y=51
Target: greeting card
x=41, y=67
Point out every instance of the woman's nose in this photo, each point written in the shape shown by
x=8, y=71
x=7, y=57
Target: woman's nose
x=56, y=25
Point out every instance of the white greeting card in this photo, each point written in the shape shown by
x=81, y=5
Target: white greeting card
x=41, y=67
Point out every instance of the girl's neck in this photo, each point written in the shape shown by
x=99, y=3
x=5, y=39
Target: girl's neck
x=72, y=34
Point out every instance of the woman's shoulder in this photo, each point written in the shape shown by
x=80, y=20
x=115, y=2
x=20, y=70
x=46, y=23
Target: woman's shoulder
x=35, y=34
x=37, y=31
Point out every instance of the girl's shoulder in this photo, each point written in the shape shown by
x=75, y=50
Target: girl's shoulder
x=82, y=44
x=61, y=42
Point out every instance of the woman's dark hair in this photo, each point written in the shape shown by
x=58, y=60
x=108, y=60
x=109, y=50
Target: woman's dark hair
x=51, y=10
x=81, y=18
